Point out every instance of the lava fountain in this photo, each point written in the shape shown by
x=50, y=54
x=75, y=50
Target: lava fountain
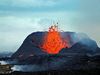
x=53, y=42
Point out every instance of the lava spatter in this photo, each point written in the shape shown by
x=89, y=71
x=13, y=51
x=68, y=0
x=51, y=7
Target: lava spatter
x=53, y=42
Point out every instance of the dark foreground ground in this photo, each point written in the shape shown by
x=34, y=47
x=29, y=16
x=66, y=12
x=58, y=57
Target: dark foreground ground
x=75, y=72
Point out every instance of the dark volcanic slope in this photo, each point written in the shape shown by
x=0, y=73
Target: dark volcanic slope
x=30, y=46
x=82, y=54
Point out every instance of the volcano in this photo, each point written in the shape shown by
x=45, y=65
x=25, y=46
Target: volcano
x=55, y=50
x=53, y=42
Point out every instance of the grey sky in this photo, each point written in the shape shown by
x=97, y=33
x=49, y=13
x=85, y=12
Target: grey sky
x=19, y=18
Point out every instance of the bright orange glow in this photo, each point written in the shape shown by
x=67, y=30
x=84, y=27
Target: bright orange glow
x=53, y=42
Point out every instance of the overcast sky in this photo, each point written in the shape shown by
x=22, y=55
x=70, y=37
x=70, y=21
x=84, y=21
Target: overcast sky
x=19, y=18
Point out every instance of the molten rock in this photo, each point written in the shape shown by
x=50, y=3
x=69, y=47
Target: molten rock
x=53, y=42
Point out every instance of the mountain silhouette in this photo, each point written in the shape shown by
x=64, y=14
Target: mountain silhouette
x=30, y=46
x=83, y=53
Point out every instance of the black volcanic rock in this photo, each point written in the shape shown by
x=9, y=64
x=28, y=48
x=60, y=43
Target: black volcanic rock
x=30, y=46
x=82, y=54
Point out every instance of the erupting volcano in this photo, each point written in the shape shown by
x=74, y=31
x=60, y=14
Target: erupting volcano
x=53, y=42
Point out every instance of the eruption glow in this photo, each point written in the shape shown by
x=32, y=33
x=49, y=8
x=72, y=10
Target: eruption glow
x=53, y=42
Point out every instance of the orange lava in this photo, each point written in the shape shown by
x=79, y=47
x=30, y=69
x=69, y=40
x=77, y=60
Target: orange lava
x=53, y=42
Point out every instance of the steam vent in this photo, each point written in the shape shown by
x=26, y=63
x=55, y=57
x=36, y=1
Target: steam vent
x=53, y=42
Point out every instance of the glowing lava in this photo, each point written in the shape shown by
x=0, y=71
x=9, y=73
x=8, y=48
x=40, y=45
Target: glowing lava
x=53, y=42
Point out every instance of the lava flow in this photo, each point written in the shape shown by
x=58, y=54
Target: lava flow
x=53, y=42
